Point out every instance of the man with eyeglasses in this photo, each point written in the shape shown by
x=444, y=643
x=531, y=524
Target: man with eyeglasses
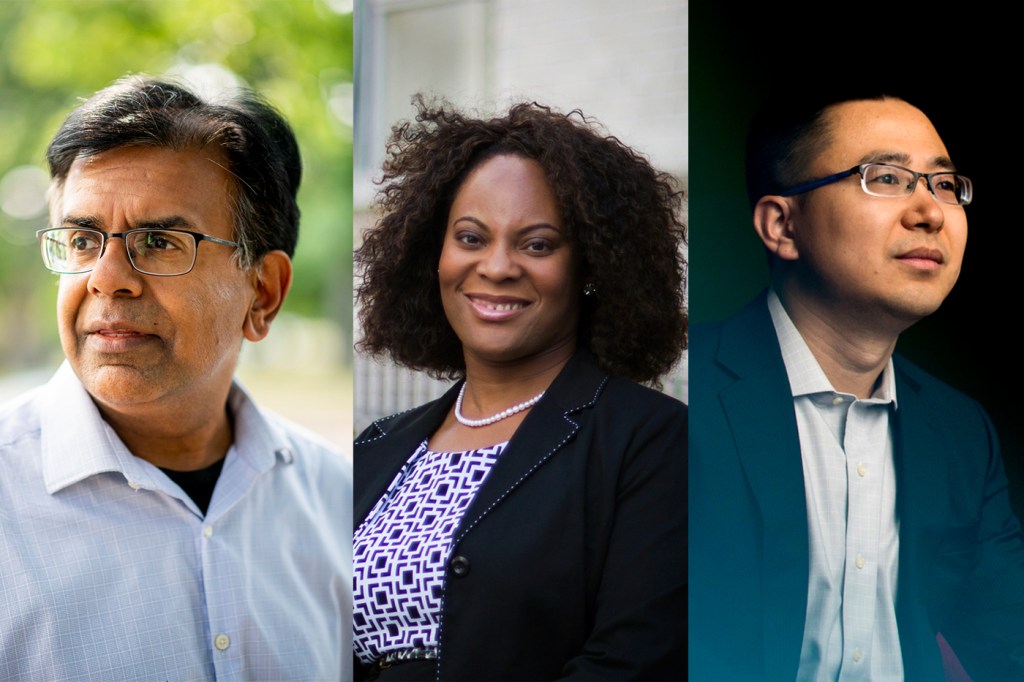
x=849, y=516
x=154, y=523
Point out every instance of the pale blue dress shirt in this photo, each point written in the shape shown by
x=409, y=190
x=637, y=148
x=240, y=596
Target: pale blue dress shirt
x=850, y=485
x=108, y=571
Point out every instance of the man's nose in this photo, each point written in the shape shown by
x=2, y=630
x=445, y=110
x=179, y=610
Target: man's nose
x=113, y=274
x=925, y=210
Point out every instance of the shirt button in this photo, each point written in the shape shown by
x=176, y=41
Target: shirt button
x=862, y=469
x=208, y=531
x=133, y=485
x=222, y=642
x=285, y=455
x=857, y=655
x=459, y=566
x=838, y=400
x=860, y=561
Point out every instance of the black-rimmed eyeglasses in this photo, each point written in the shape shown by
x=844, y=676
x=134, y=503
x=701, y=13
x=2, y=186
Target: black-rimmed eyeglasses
x=164, y=253
x=887, y=180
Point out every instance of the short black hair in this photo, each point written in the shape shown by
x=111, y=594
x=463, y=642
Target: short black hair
x=788, y=132
x=622, y=215
x=257, y=143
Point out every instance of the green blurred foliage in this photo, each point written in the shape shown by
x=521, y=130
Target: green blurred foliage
x=55, y=53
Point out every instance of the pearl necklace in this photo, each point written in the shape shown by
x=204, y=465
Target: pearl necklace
x=476, y=423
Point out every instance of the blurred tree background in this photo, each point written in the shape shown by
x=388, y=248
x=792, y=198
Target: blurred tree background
x=297, y=53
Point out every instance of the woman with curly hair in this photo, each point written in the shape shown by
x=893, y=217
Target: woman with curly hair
x=531, y=523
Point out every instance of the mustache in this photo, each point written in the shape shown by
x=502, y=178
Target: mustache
x=127, y=318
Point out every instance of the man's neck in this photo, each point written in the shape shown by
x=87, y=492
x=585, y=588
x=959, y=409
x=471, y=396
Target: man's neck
x=851, y=352
x=184, y=440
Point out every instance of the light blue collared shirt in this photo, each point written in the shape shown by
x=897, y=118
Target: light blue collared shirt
x=109, y=571
x=850, y=484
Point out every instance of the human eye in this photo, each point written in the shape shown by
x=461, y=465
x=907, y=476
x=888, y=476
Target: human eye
x=538, y=247
x=882, y=179
x=158, y=240
x=885, y=175
x=468, y=238
x=948, y=187
x=82, y=240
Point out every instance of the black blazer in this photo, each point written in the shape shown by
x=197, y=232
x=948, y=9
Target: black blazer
x=571, y=560
x=961, y=558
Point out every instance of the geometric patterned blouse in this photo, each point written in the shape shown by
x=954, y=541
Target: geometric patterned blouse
x=401, y=550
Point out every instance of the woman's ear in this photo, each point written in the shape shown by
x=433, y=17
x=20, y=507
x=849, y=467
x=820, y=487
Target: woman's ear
x=273, y=279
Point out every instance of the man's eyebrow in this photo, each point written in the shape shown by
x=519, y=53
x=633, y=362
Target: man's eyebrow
x=81, y=221
x=943, y=162
x=900, y=158
x=165, y=223
x=161, y=223
x=903, y=159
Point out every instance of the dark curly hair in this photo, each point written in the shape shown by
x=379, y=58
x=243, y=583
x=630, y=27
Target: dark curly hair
x=622, y=216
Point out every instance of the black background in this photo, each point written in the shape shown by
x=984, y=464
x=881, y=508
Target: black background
x=962, y=69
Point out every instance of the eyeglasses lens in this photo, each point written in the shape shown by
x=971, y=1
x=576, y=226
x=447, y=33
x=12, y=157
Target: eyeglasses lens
x=154, y=252
x=883, y=180
x=71, y=250
x=162, y=252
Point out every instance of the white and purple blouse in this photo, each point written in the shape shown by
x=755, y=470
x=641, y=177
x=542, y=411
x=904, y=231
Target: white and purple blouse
x=402, y=548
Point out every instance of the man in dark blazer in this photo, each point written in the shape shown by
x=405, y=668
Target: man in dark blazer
x=820, y=463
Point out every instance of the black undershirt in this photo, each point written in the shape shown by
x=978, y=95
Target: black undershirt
x=198, y=484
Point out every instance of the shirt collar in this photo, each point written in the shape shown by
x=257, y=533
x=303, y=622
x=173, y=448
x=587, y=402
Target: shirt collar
x=805, y=374
x=77, y=443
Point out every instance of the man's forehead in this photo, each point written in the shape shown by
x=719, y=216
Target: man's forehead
x=158, y=163
x=888, y=130
x=901, y=158
x=151, y=183
x=139, y=153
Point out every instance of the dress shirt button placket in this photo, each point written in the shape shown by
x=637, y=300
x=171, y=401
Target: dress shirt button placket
x=221, y=616
x=863, y=523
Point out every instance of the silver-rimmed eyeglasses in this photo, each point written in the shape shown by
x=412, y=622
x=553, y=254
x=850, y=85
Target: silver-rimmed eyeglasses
x=888, y=180
x=165, y=253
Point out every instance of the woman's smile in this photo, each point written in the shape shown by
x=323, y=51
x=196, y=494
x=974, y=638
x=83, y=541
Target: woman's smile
x=496, y=308
x=509, y=280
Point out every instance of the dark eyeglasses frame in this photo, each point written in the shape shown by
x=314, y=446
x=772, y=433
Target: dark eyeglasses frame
x=197, y=236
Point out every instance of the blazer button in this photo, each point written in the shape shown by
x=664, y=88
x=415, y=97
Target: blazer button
x=459, y=566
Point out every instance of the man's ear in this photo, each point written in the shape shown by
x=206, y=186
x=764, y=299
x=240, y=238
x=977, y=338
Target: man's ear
x=774, y=224
x=273, y=278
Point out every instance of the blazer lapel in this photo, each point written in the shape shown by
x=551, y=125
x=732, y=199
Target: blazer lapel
x=546, y=430
x=920, y=475
x=759, y=408
x=389, y=454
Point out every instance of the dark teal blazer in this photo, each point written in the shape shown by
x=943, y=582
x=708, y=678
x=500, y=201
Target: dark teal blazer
x=961, y=558
x=572, y=557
